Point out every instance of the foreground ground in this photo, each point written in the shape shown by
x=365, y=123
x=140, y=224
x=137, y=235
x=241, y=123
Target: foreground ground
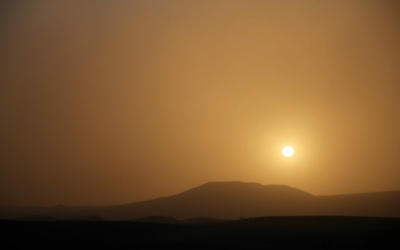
x=277, y=232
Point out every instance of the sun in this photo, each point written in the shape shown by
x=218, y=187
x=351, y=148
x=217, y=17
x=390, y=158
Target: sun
x=288, y=151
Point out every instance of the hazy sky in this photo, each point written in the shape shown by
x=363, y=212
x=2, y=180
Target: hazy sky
x=110, y=102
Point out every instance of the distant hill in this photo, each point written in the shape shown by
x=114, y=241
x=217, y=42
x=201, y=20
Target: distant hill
x=156, y=219
x=87, y=218
x=172, y=220
x=236, y=200
x=201, y=220
x=37, y=218
x=378, y=204
x=223, y=200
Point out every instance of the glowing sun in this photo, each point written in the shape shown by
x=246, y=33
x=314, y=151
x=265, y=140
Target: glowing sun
x=288, y=151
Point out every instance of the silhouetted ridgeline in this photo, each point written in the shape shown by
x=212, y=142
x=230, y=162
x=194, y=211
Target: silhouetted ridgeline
x=231, y=200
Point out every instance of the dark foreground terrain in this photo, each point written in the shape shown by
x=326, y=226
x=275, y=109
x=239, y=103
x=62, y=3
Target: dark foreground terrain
x=277, y=232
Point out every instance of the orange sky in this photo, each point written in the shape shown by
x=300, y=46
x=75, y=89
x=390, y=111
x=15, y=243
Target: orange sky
x=110, y=102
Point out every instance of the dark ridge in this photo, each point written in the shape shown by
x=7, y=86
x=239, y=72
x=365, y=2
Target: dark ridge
x=200, y=220
x=36, y=218
x=156, y=219
x=87, y=218
x=320, y=223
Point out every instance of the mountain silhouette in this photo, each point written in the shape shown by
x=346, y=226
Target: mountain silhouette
x=235, y=200
x=231, y=201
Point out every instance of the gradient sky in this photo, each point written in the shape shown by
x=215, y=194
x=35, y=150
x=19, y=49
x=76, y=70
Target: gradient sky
x=110, y=102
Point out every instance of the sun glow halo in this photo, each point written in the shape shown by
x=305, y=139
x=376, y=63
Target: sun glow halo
x=288, y=151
